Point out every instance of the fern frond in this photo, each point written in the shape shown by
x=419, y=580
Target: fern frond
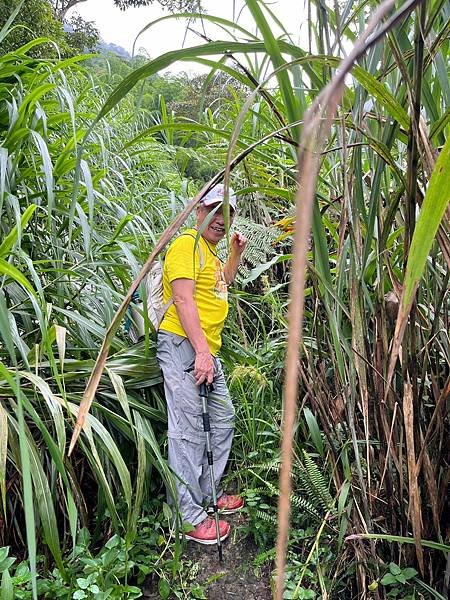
x=270, y=465
x=317, y=481
x=262, y=557
x=263, y=516
x=260, y=240
x=296, y=500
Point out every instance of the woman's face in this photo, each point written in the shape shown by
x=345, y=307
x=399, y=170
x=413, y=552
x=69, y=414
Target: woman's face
x=215, y=229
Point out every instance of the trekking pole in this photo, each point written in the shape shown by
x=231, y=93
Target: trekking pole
x=209, y=454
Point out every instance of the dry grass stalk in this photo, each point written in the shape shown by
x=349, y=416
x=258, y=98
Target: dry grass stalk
x=414, y=497
x=317, y=123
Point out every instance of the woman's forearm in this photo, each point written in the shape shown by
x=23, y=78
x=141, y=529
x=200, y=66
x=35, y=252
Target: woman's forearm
x=231, y=268
x=183, y=299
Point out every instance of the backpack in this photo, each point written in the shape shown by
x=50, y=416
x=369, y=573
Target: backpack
x=156, y=307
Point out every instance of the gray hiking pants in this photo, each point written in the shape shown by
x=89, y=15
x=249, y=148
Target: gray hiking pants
x=186, y=438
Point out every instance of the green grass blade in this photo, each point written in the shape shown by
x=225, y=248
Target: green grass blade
x=273, y=49
x=398, y=539
x=314, y=430
x=3, y=453
x=28, y=504
x=5, y=329
x=6, y=589
x=14, y=273
x=140, y=479
x=44, y=505
x=13, y=15
x=379, y=91
x=48, y=171
x=203, y=17
x=435, y=203
x=15, y=234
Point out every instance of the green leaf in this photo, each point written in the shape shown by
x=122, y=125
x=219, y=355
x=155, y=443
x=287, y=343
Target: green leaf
x=5, y=329
x=94, y=589
x=164, y=589
x=27, y=495
x=382, y=95
x=409, y=573
x=167, y=512
x=388, y=579
x=437, y=198
x=306, y=594
x=3, y=551
x=15, y=232
x=343, y=495
x=273, y=49
x=14, y=273
x=257, y=271
x=394, y=569
x=6, y=563
x=83, y=583
x=6, y=589
x=224, y=23
x=199, y=593
x=113, y=542
x=12, y=16
x=400, y=539
x=314, y=431
x=440, y=125
x=48, y=171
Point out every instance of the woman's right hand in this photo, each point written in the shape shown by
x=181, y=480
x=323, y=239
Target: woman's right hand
x=203, y=368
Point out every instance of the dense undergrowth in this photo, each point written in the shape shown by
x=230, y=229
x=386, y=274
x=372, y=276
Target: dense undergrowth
x=81, y=207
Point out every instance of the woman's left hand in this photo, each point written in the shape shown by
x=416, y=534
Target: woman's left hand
x=238, y=243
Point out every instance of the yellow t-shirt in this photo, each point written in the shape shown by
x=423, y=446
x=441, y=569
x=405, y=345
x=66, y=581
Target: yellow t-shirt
x=182, y=261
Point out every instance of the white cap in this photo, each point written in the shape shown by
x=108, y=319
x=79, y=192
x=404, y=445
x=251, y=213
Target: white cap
x=216, y=195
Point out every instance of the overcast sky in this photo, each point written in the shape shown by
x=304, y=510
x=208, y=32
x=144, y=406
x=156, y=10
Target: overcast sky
x=121, y=27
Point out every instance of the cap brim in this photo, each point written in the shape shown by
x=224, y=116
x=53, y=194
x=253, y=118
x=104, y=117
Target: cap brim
x=209, y=202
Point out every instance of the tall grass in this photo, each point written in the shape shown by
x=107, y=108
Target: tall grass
x=71, y=235
x=83, y=204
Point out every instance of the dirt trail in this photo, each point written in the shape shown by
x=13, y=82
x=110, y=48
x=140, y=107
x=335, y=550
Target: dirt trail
x=235, y=577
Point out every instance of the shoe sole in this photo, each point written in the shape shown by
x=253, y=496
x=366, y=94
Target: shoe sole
x=225, y=511
x=204, y=542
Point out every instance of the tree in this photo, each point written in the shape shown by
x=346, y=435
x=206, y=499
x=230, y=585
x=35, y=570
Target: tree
x=82, y=35
x=35, y=19
x=61, y=7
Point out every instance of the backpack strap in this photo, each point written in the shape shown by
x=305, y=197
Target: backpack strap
x=200, y=250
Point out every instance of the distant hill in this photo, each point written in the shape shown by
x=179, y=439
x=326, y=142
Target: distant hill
x=104, y=48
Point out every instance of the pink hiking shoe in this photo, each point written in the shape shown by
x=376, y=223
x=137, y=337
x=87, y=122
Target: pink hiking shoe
x=229, y=504
x=205, y=532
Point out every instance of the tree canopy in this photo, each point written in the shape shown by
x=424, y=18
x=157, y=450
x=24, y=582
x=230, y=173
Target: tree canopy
x=61, y=7
x=35, y=19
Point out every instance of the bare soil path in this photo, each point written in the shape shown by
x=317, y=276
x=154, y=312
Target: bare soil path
x=234, y=578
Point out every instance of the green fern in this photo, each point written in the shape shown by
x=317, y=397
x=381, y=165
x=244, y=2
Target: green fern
x=264, y=516
x=259, y=250
x=318, y=483
x=265, y=556
x=311, y=490
x=296, y=500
